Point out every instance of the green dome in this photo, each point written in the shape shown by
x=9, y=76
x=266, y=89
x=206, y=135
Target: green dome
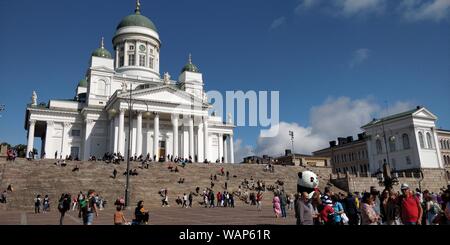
x=82, y=83
x=190, y=66
x=102, y=52
x=137, y=20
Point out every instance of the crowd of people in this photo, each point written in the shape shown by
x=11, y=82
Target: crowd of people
x=372, y=208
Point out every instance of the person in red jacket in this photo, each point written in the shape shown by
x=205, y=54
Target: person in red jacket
x=327, y=213
x=410, y=208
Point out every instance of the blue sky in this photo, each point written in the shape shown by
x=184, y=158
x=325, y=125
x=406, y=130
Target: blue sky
x=316, y=53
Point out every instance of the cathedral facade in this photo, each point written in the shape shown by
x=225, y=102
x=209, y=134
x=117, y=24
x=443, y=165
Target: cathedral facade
x=124, y=100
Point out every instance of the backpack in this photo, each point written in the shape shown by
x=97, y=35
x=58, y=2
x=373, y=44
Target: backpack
x=61, y=205
x=83, y=205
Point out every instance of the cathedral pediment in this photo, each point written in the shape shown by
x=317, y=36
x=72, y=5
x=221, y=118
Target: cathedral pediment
x=164, y=94
x=102, y=68
x=424, y=113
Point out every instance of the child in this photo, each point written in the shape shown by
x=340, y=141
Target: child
x=119, y=218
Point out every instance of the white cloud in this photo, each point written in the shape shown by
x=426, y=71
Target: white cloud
x=359, y=56
x=241, y=151
x=358, y=7
x=305, y=5
x=347, y=8
x=417, y=10
x=277, y=23
x=336, y=117
x=342, y=116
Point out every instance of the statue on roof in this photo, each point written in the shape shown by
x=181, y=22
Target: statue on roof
x=34, y=98
x=166, y=78
x=230, y=119
x=124, y=87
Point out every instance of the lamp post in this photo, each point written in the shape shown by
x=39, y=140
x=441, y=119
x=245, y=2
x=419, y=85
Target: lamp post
x=386, y=179
x=127, y=187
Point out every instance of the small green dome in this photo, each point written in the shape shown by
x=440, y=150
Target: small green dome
x=137, y=20
x=102, y=52
x=82, y=83
x=190, y=66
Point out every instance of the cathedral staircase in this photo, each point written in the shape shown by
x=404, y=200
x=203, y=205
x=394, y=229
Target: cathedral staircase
x=43, y=177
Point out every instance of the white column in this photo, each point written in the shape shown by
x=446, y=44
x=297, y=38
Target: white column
x=87, y=139
x=48, y=144
x=156, y=136
x=191, y=137
x=225, y=150
x=205, y=138
x=125, y=55
x=220, y=151
x=31, y=127
x=121, y=137
x=136, y=54
x=139, y=135
x=116, y=61
x=116, y=134
x=64, y=145
x=231, y=149
x=111, y=134
x=200, y=143
x=175, y=134
x=436, y=146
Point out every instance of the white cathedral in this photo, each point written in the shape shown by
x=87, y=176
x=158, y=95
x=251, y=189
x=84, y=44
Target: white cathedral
x=167, y=117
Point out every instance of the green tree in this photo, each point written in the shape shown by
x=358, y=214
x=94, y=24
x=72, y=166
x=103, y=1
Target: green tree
x=21, y=150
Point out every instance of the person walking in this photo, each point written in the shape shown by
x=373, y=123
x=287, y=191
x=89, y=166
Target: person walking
x=63, y=206
x=410, y=209
x=190, y=199
x=184, y=201
x=37, y=204
x=351, y=209
x=90, y=208
x=368, y=214
x=391, y=210
x=338, y=210
x=259, y=197
x=304, y=210
x=276, y=205
x=46, y=204
x=283, y=202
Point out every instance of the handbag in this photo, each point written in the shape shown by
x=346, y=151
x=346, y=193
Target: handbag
x=344, y=217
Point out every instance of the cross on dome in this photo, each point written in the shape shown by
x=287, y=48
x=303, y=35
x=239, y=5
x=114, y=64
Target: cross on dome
x=138, y=7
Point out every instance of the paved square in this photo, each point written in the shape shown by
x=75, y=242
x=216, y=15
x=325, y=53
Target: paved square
x=246, y=215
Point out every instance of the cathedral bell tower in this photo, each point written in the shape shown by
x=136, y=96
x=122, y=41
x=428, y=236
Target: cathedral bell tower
x=137, y=46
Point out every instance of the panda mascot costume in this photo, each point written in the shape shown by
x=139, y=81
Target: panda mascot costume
x=307, y=182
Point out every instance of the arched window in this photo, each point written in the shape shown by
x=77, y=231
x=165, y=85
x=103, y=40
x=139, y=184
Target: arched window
x=429, y=141
x=422, y=143
x=379, y=147
x=445, y=160
x=393, y=163
x=441, y=143
x=447, y=144
x=405, y=139
x=392, y=144
x=101, y=87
